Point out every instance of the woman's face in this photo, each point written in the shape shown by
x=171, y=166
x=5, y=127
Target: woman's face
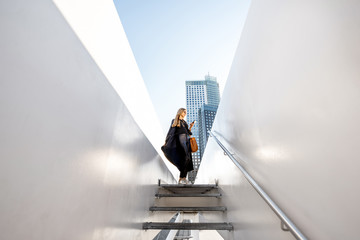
x=183, y=114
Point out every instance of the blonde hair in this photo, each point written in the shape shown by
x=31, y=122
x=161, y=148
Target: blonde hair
x=177, y=117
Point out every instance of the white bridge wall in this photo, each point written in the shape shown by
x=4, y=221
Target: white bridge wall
x=74, y=164
x=290, y=113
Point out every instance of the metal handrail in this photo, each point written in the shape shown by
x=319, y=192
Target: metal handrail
x=284, y=219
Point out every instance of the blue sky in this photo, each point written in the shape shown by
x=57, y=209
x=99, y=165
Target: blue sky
x=178, y=40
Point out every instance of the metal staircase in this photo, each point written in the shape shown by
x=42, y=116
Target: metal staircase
x=187, y=199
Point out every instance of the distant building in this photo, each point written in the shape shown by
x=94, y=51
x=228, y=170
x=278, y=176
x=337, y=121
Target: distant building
x=206, y=116
x=198, y=94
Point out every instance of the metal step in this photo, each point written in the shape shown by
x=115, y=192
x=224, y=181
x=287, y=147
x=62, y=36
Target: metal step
x=188, y=226
x=196, y=188
x=159, y=195
x=188, y=186
x=188, y=209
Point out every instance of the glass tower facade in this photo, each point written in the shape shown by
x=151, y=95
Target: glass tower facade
x=206, y=118
x=198, y=94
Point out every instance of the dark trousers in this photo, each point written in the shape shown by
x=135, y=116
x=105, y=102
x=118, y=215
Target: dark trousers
x=183, y=139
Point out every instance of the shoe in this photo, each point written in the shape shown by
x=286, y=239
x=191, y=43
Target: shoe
x=182, y=182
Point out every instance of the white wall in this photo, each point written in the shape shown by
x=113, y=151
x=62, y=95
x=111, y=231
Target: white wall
x=290, y=112
x=97, y=24
x=74, y=164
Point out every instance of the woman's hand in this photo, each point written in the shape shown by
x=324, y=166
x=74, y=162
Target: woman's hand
x=191, y=125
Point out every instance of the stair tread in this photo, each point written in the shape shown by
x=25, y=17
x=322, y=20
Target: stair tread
x=188, y=226
x=188, y=186
x=188, y=195
x=215, y=208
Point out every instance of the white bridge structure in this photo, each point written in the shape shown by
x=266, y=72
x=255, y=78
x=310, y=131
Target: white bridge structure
x=80, y=160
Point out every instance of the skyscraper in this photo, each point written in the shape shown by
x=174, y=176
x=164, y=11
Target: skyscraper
x=206, y=116
x=198, y=94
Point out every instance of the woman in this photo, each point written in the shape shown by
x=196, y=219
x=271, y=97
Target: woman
x=177, y=145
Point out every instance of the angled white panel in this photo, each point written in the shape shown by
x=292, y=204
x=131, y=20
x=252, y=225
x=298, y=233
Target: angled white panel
x=97, y=24
x=290, y=112
x=74, y=164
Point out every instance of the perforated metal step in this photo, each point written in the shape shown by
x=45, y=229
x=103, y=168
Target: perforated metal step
x=187, y=189
x=159, y=195
x=188, y=209
x=188, y=226
x=184, y=186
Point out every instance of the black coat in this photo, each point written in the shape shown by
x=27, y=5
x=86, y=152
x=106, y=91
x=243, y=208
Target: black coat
x=174, y=152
